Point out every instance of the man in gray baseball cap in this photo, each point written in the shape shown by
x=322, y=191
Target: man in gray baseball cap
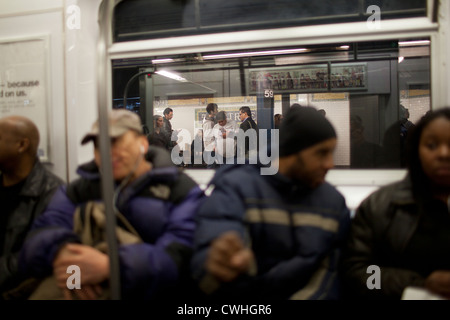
x=128, y=144
x=156, y=201
x=120, y=121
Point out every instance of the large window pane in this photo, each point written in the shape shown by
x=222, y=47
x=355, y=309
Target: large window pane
x=372, y=92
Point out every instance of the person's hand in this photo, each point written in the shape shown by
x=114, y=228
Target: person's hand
x=439, y=282
x=93, y=264
x=86, y=292
x=228, y=257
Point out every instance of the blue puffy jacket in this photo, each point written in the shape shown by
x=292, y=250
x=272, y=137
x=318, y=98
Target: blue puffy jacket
x=164, y=219
x=295, y=233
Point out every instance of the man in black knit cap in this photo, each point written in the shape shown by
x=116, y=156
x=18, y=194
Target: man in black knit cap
x=275, y=236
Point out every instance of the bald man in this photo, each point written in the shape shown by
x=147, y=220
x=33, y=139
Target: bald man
x=25, y=190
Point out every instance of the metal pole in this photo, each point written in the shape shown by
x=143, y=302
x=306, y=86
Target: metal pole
x=104, y=100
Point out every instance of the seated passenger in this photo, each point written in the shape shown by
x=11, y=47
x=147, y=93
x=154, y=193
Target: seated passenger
x=151, y=195
x=26, y=188
x=275, y=236
x=400, y=235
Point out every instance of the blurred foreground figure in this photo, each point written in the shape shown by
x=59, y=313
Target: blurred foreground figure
x=26, y=188
x=155, y=204
x=275, y=236
x=400, y=236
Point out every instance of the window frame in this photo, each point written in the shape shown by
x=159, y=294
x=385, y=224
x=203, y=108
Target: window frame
x=290, y=36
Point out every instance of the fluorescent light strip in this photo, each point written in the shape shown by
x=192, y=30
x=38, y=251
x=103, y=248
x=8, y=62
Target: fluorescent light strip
x=413, y=43
x=251, y=54
x=171, y=75
x=157, y=61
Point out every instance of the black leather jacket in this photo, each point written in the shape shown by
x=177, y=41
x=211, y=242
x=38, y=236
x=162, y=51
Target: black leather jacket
x=381, y=229
x=35, y=195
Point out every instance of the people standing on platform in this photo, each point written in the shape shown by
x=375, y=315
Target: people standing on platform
x=170, y=134
x=251, y=132
x=275, y=236
x=208, y=135
x=277, y=119
x=197, y=150
x=154, y=203
x=26, y=188
x=156, y=137
x=225, y=133
x=400, y=235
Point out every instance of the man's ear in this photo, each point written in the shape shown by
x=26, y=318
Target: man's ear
x=24, y=145
x=144, y=145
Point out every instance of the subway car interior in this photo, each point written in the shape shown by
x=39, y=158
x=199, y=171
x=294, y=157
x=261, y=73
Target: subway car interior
x=367, y=64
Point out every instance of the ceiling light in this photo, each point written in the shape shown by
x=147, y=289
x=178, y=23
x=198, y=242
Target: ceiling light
x=414, y=43
x=344, y=47
x=158, y=61
x=252, y=54
x=400, y=59
x=171, y=75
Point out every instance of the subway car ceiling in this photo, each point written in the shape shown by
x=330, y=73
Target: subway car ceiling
x=142, y=19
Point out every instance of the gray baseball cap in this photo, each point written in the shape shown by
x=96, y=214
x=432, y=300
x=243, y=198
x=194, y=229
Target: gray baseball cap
x=119, y=122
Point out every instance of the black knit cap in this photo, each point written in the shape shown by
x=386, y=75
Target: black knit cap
x=303, y=127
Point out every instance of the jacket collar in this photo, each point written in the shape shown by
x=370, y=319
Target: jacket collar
x=34, y=181
x=280, y=182
x=403, y=194
x=287, y=185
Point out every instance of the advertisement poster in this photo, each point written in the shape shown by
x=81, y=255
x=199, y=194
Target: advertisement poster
x=23, y=84
x=312, y=78
x=348, y=76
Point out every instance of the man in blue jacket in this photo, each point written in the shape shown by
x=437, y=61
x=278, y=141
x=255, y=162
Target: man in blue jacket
x=275, y=236
x=155, y=197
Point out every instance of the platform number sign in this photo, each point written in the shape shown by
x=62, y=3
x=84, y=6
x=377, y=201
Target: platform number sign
x=268, y=98
x=268, y=93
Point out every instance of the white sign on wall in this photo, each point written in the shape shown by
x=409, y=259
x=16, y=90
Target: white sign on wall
x=24, y=84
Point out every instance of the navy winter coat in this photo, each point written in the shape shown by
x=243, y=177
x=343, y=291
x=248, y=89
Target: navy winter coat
x=295, y=233
x=160, y=205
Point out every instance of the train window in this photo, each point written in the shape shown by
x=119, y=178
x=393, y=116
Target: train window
x=143, y=19
x=373, y=92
